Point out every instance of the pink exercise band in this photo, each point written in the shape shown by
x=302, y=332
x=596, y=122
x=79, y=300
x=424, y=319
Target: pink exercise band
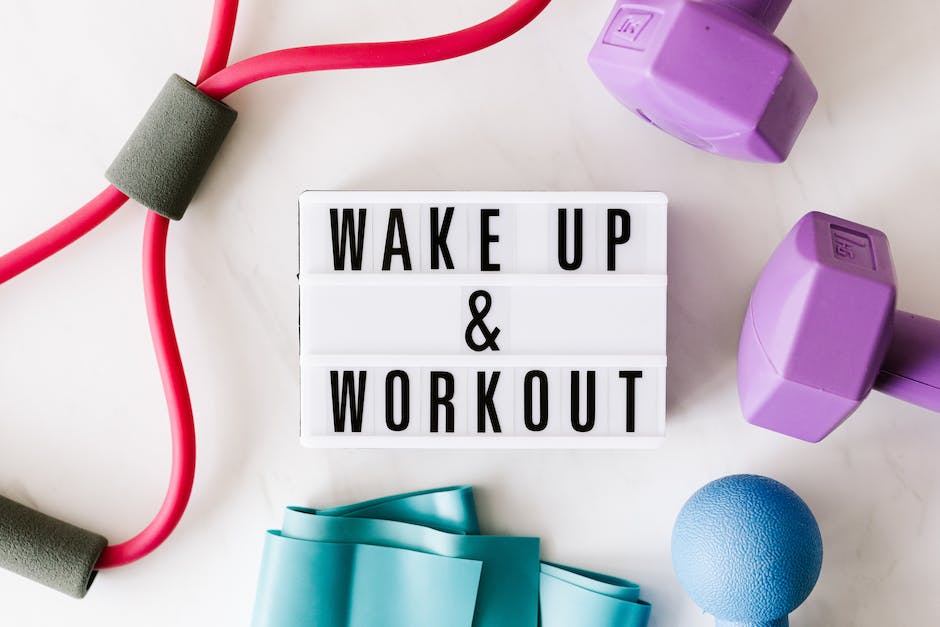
x=218, y=80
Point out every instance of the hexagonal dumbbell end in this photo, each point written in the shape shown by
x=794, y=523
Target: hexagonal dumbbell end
x=709, y=72
x=747, y=550
x=821, y=332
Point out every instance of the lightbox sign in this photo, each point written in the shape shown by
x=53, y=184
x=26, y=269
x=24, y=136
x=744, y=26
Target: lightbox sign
x=511, y=320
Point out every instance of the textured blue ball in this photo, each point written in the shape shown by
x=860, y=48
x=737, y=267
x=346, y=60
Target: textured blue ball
x=747, y=549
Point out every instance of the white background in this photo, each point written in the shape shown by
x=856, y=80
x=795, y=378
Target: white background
x=83, y=431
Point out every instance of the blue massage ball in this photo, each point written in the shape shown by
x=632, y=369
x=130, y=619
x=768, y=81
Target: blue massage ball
x=747, y=550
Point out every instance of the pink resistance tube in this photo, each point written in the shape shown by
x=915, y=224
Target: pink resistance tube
x=218, y=81
x=48, y=243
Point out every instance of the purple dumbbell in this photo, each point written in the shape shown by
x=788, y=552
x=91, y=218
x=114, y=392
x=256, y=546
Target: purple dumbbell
x=710, y=72
x=821, y=331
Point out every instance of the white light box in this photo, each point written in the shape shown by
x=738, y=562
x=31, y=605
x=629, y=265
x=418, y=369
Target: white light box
x=494, y=320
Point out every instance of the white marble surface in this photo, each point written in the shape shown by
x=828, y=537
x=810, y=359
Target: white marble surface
x=82, y=426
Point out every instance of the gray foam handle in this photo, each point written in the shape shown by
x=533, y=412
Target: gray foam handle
x=47, y=550
x=170, y=151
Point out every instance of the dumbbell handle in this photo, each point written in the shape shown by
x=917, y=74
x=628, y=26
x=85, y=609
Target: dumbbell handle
x=911, y=370
x=767, y=12
x=780, y=622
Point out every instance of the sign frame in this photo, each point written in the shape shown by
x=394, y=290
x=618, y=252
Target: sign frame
x=653, y=234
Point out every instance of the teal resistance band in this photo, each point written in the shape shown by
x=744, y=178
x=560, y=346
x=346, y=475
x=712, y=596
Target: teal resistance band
x=417, y=560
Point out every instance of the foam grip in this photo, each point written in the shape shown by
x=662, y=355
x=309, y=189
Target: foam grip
x=170, y=151
x=47, y=550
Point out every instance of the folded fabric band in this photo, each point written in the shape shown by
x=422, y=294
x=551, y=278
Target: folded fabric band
x=416, y=560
